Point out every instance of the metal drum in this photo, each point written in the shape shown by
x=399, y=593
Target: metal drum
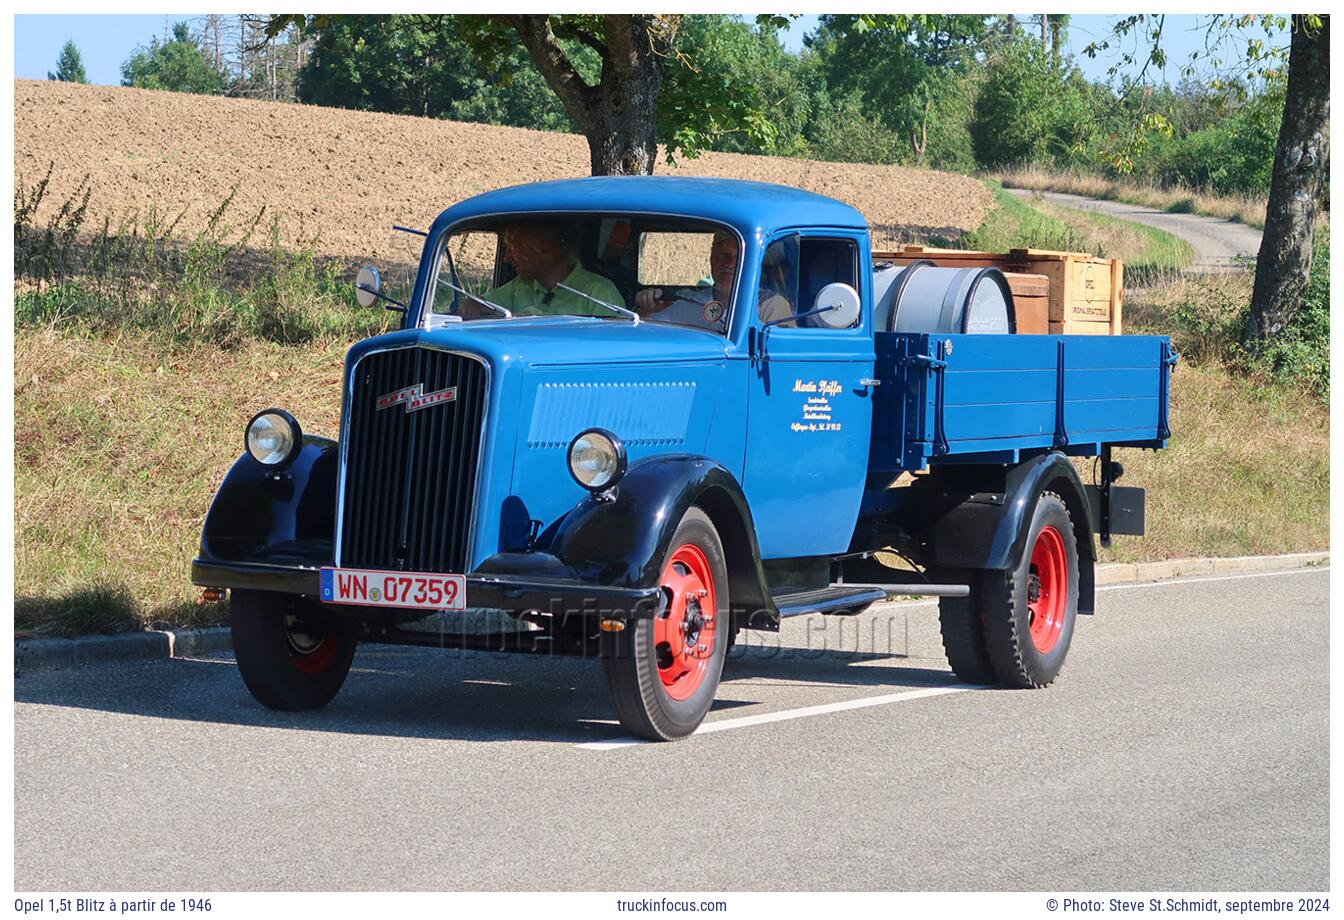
x=920, y=297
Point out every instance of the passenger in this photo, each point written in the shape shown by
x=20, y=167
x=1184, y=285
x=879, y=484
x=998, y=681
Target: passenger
x=707, y=305
x=538, y=251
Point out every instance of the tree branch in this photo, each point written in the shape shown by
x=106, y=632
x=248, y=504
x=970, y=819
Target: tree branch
x=537, y=36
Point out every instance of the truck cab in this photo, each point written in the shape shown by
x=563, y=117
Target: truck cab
x=638, y=415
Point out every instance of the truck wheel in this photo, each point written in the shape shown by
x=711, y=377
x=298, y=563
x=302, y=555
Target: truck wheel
x=291, y=655
x=665, y=670
x=963, y=631
x=1029, y=611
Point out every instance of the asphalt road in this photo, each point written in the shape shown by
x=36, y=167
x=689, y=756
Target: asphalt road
x=1220, y=245
x=1185, y=747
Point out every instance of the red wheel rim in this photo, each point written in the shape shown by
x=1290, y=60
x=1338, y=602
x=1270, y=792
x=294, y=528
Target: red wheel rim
x=1047, y=589
x=683, y=636
x=310, y=657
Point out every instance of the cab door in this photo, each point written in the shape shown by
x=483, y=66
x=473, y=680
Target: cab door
x=809, y=412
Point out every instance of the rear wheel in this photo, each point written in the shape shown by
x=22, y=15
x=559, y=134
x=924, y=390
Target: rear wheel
x=963, y=631
x=292, y=655
x=664, y=671
x=1029, y=611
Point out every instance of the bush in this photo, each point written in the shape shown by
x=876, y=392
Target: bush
x=1029, y=109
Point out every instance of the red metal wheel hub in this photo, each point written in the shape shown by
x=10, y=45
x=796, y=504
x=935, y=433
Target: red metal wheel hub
x=1047, y=589
x=308, y=657
x=683, y=635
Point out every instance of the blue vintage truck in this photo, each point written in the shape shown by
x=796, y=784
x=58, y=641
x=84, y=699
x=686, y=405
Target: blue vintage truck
x=640, y=414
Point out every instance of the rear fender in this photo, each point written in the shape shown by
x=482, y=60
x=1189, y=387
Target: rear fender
x=278, y=517
x=980, y=517
x=621, y=540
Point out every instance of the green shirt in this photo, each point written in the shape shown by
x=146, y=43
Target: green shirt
x=524, y=297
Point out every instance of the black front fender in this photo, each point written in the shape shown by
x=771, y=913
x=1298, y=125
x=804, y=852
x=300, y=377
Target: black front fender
x=622, y=541
x=276, y=517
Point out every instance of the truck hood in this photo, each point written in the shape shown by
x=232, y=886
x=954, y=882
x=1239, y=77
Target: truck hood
x=562, y=341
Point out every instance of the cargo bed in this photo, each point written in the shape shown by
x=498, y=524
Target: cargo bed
x=989, y=398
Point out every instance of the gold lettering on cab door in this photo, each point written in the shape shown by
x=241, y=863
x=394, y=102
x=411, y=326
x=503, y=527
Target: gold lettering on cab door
x=816, y=405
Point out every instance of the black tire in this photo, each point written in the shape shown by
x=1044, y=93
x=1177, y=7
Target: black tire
x=963, y=632
x=1004, y=600
x=646, y=706
x=292, y=655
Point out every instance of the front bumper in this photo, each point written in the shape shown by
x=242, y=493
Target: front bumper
x=515, y=593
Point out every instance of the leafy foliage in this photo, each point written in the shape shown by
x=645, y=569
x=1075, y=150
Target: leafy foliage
x=69, y=66
x=177, y=65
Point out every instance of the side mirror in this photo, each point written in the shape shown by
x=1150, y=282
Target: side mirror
x=837, y=306
x=368, y=286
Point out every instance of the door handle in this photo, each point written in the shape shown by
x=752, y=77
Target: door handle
x=870, y=382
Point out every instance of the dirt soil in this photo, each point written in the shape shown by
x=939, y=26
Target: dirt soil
x=342, y=177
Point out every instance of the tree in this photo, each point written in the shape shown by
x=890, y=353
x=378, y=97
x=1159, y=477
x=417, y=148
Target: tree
x=608, y=73
x=1283, y=268
x=177, y=65
x=901, y=67
x=415, y=65
x=1302, y=149
x=69, y=66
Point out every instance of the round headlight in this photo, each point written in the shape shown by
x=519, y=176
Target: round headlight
x=273, y=437
x=596, y=459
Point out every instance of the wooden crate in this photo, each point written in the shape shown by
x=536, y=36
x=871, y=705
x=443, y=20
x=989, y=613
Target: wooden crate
x=1080, y=327
x=1031, y=302
x=1083, y=287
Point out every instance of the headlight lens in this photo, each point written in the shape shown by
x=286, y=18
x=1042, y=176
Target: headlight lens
x=273, y=437
x=596, y=459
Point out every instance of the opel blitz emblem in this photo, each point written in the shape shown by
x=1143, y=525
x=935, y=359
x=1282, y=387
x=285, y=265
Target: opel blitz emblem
x=415, y=397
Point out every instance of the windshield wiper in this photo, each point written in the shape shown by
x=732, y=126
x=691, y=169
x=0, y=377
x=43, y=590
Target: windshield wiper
x=602, y=303
x=504, y=311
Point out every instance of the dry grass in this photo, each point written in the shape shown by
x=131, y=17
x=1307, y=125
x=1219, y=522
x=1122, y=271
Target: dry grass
x=1249, y=210
x=118, y=449
x=1247, y=471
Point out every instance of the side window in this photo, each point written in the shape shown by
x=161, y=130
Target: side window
x=778, y=293
x=822, y=262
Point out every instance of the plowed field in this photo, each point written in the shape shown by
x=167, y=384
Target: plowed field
x=342, y=177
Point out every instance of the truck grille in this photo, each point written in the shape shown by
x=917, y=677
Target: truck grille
x=410, y=467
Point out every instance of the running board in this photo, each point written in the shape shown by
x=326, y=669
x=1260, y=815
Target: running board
x=848, y=599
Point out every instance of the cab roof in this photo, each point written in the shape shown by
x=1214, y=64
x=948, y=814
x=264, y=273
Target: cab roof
x=749, y=207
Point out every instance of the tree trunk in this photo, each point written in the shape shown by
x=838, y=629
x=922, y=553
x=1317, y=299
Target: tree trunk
x=618, y=115
x=1045, y=30
x=1283, y=268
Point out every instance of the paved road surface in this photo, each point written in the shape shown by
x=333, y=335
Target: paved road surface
x=1184, y=747
x=1220, y=245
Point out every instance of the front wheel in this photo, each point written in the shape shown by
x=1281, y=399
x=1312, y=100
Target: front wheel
x=1028, y=612
x=291, y=654
x=664, y=671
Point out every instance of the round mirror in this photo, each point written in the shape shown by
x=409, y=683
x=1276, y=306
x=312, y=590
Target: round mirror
x=368, y=285
x=840, y=305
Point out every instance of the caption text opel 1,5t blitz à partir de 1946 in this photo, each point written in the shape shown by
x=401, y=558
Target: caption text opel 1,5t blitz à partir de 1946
x=637, y=415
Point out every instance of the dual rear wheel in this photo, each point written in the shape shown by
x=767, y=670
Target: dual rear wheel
x=1016, y=626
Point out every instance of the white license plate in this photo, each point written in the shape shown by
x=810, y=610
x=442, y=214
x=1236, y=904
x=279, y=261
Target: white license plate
x=373, y=588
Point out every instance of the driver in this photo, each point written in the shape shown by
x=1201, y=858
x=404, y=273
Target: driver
x=706, y=305
x=538, y=251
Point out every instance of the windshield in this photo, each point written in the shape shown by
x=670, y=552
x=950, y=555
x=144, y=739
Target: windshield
x=614, y=267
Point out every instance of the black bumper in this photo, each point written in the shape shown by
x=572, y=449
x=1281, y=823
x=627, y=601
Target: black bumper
x=495, y=591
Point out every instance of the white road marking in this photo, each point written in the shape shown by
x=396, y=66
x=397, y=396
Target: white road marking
x=887, y=698
x=722, y=725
